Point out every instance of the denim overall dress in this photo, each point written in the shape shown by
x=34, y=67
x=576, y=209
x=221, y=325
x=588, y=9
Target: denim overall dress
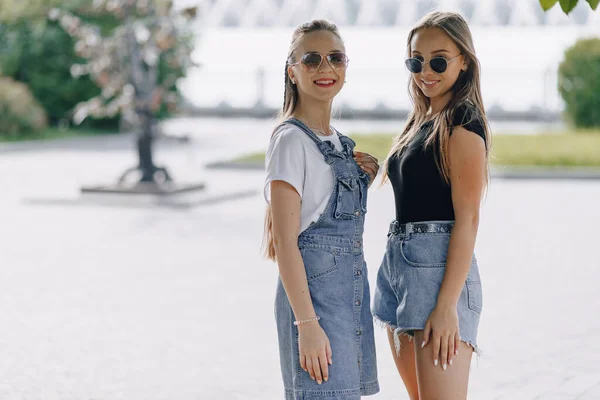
x=332, y=251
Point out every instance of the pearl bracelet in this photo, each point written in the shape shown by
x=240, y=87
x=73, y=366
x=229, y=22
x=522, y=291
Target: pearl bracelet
x=296, y=323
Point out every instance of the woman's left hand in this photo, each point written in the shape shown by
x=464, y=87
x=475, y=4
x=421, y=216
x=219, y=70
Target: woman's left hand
x=441, y=331
x=368, y=163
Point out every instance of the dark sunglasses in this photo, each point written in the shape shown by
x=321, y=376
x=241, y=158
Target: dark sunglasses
x=311, y=62
x=437, y=64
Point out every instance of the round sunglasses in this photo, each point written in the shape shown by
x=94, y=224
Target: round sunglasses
x=437, y=64
x=311, y=62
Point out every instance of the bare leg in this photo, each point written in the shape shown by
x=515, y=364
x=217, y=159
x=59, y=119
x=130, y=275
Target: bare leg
x=434, y=382
x=406, y=364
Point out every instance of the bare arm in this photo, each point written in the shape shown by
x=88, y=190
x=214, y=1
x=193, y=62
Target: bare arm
x=314, y=347
x=467, y=176
x=467, y=160
x=285, y=203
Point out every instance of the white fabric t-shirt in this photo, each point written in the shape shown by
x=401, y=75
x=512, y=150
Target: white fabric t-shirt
x=294, y=157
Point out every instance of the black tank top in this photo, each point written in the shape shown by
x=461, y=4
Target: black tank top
x=420, y=191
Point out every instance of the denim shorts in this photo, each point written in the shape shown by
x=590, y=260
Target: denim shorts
x=410, y=276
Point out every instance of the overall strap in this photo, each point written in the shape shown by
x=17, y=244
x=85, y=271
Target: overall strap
x=304, y=128
x=326, y=147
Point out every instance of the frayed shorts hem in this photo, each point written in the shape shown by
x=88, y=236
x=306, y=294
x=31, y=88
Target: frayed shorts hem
x=410, y=333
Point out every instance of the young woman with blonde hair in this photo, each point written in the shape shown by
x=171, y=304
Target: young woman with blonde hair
x=317, y=193
x=428, y=286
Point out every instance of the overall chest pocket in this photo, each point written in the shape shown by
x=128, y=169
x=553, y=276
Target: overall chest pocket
x=348, y=196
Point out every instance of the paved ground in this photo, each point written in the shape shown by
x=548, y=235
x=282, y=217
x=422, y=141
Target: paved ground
x=130, y=299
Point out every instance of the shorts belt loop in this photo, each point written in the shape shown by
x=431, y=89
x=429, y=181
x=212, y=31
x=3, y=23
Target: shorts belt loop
x=409, y=230
x=394, y=228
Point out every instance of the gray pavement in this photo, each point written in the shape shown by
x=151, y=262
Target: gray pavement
x=129, y=298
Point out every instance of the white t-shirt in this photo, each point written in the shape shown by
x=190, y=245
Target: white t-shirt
x=294, y=157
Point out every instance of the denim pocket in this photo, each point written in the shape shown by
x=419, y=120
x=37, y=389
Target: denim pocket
x=475, y=295
x=425, y=251
x=346, y=195
x=318, y=263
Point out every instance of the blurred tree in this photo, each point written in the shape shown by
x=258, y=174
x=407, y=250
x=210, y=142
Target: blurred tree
x=23, y=46
x=19, y=10
x=566, y=5
x=136, y=66
x=20, y=113
x=40, y=54
x=27, y=37
x=579, y=82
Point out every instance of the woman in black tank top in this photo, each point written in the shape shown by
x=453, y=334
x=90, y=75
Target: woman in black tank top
x=428, y=286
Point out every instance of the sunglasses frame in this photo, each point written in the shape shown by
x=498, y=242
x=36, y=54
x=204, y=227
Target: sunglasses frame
x=448, y=61
x=326, y=57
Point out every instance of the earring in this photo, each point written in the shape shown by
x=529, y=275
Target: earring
x=293, y=81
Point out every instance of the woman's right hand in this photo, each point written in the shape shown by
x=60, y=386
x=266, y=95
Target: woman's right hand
x=315, y=350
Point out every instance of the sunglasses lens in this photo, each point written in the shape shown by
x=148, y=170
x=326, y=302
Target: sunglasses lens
x=414, y=65
x=311, y=61
x=338, y=60
x=438, y=64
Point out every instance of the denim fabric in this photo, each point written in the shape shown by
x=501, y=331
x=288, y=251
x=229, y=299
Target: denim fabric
x=410, y=276
x=332, y=251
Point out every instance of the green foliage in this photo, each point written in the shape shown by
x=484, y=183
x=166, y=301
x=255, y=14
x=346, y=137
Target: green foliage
x=19, y=111
x=547, y=4
x=12, y=11
x=40, y=55
x=547, y=149
x=566, y=5
x=579, y=82
x=49, y=134
x=593, y=3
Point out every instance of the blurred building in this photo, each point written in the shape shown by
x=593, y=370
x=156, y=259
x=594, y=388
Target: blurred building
x=242, y=45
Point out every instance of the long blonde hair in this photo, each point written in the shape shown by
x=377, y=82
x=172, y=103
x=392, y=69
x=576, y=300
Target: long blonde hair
x=290, y=101
x=466, y=91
